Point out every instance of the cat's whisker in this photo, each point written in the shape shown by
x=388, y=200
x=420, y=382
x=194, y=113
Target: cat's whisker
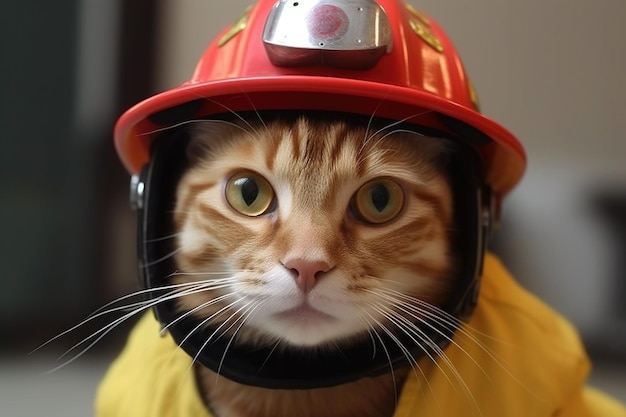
x=233, y=112
x=408, y=355
x=374, y=335
x=236, y=316
x=410, y=329
x=243, y=317
x=230, y=279
x=104, y=310
x=432, y=311
x=370, y=121
x=269, y=355
x=206, y=320
x=419, y=337
x=170, y=127
x=202, y=323
x=210, y=337
x=142, y=306
x=368, y=139
x=197, y=308
x=393, y=152
x=253, y=107
x=409, y=310
x=162, y=258
x=461, y=328
x=162, y=238
x=189, y=122
x=338, y=348
x=180, y=290
x=370, y=332
x=396, y=123
x=216, y=331
x=396, y=131
x=414, y=364
x=209, y=259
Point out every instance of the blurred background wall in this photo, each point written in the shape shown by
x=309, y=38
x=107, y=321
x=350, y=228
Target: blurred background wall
x=68, y=69
x=554, y=73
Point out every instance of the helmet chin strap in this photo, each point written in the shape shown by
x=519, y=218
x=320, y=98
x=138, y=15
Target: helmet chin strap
x=302, y=367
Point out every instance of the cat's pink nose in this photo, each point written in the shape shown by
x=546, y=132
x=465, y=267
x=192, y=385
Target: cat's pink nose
x=307, y=272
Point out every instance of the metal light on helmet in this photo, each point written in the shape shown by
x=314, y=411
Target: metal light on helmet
x=345, y=33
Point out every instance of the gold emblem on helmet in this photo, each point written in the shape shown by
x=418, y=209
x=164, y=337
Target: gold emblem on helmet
x=419, y=15
x=234, y=30
x=421, y=26
x=473, y=94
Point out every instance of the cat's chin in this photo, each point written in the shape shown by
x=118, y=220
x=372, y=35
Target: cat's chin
x=306, y=327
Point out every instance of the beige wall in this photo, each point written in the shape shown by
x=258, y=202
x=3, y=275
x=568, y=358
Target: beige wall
x=554, y=73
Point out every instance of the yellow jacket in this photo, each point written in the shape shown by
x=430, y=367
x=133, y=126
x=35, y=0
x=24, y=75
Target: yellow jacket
x=517, y=358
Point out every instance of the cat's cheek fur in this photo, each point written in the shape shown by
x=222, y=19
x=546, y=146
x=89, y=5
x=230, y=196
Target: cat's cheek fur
x=314, y=172
x=193, y=241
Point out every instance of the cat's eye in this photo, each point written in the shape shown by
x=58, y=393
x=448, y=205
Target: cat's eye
x=378, y=201
x=249, y=193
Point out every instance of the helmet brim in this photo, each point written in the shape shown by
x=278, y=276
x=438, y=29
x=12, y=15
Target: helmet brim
x=501, y=153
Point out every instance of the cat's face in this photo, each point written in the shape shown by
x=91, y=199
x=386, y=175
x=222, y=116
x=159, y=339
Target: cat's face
x=311, y=232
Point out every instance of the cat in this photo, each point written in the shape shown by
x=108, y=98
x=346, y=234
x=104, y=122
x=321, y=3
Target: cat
x=320, y=232
x=318, y=239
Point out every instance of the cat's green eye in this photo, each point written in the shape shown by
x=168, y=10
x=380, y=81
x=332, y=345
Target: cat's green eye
x=378, y=201
x=249, y=193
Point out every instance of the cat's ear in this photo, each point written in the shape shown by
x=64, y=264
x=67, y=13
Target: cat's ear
x=440, y=152
x=196, y=147
x=205, y=136
x=433, y=150
x=437, y=150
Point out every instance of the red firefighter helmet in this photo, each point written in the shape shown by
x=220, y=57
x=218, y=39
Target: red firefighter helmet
x=381, y=58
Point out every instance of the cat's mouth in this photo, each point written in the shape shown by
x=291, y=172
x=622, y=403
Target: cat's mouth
x=304, y=312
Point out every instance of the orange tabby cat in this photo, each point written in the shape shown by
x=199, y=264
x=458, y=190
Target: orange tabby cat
x=319, y=234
